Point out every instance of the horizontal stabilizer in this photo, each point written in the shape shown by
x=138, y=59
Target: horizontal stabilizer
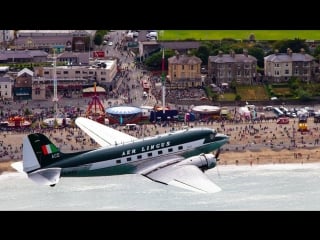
x=47, y=176
x=18, y=166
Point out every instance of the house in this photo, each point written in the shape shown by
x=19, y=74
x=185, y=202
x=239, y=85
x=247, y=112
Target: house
x=23, y=85
x=224, y=68
x=6, y=84
x=280, y=67
x=184, y=71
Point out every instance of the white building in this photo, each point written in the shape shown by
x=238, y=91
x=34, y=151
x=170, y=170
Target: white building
x=6, y=84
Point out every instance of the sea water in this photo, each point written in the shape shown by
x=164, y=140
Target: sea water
x=256, y=187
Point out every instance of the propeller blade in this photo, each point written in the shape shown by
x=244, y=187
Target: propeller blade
x=217, y=154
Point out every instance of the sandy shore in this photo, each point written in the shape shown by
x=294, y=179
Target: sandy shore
x=272, y=143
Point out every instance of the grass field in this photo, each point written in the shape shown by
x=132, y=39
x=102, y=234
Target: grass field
x=252, y=93
x=238, y=34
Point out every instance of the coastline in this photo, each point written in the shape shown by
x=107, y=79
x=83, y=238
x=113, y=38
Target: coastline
x=251, y=144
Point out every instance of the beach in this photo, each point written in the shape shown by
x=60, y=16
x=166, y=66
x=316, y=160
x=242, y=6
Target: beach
x=250, y=143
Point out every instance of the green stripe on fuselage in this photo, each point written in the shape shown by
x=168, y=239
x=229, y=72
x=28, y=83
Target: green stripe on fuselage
x=138, y=147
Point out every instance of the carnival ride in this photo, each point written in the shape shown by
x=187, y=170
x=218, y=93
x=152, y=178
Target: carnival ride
x=16, y=122
x=96, y=110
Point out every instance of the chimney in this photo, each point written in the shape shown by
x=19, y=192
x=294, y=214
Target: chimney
x=220, y=53
x=302, y=51
x=276, y=51
x=232, y=54
x=289, y=52
x=177, y=54
x=245, y=52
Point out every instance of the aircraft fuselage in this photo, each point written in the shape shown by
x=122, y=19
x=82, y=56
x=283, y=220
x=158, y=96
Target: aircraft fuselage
x=128, y=157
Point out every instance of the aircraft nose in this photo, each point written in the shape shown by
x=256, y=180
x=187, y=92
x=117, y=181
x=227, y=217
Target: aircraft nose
x=221, y=137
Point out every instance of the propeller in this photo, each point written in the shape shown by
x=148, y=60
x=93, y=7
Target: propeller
x=217, y=159
x=217, y=154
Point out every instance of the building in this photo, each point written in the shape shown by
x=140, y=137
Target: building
x=74, y=58
x=225, y=68
x=183, y=47
x=6, y=36
x=184, y=71
x=39, y=89
x=6, y=84
x=74, y=78
x=280, y=67
x=57, y=40
x=23, y=85
x=23, y=56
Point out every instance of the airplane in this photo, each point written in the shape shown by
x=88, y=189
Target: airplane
x=178, y=158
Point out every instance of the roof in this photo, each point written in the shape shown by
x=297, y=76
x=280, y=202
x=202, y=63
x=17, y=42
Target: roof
x=5, y=79
x=178, y=45
x=29, y=54
x=123, y=110
x=224, y=58
x=284, y=57
x=91, y=89
x=206, y=109
x=25, y=70
x=184, y=59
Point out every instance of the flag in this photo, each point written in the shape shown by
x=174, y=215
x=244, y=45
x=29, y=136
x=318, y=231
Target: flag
x=49, y=148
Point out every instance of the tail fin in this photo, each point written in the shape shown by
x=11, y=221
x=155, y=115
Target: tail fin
x=38, y=152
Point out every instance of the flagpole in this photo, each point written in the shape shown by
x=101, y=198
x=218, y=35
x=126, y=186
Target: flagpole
x=163, y=84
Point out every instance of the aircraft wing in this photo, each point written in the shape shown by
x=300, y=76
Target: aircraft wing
x=184, y=176
x=103, y=135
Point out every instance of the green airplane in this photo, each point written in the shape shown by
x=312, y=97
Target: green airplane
x=177, y=158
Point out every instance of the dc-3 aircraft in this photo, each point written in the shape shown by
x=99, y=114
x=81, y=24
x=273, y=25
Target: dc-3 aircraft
x=176, y=158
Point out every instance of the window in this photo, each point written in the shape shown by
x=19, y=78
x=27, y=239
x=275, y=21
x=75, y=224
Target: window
x=160, y=152
x=118, y=161
x=46, y=72
x=286, y=71
x=139, y=157
x=128, y=159
x=182, y=67
x=180, y=147
x=170, y=150
x=150, y=154
x=65, y=72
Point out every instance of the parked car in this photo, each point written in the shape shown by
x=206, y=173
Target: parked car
x=283, y=121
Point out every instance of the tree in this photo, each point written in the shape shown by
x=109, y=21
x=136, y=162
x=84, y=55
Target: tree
x=203, y=53
x=237, y=98
x=155, y=60
x=294, y=83
x=258, y=53
x=98, y=38
x=294, y=44
x=303, y=95
x=252, y=37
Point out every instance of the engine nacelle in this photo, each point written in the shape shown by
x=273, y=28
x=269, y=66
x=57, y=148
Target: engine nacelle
x=202, y=161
